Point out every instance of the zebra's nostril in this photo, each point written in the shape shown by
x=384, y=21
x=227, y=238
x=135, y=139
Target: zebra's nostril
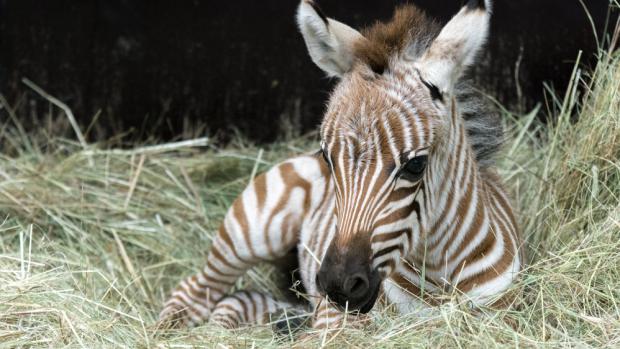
x=356, y=285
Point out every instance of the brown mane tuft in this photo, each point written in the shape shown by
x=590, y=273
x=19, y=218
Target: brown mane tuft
x=408, y=28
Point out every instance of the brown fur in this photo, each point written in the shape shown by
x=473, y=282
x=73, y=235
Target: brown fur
x=408, y=28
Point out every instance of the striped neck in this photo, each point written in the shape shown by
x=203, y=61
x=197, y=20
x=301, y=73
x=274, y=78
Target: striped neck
x=451, y=193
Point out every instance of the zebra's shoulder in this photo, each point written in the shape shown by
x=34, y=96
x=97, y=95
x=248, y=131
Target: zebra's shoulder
x=309, y=166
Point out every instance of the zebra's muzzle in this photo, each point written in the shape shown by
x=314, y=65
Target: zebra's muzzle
x=354, y=293
x=348, y=279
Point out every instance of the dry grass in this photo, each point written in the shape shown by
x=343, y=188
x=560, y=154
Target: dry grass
x=88, y=251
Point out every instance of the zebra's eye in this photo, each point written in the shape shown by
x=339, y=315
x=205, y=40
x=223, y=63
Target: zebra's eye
x=414, y=168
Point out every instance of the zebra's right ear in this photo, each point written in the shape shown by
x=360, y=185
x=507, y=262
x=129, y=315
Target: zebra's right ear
x=330, y=43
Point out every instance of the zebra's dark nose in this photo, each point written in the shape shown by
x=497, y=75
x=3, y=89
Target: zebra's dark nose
x=348, y=280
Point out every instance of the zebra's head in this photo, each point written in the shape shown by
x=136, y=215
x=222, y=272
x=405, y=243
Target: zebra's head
x=380, y=136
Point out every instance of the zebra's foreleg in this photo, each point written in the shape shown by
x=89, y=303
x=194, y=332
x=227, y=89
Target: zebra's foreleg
x=262, y=225
x=195, y=298
x=244, y=308
x=329, y=317
x=192, y=302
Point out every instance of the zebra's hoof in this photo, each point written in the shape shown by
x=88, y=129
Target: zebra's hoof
x=289, y=322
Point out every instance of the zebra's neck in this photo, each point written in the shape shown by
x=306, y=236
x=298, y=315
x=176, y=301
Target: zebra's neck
x=451, y=196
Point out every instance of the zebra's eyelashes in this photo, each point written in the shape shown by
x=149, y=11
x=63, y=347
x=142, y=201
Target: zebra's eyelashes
x=436, y=93
x=434, y=90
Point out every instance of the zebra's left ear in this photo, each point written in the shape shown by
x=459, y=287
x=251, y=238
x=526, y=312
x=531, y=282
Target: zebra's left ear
x=330, y=43
x=456, y=46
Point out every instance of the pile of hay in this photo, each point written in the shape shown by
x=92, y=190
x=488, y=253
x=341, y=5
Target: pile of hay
x=92, y=241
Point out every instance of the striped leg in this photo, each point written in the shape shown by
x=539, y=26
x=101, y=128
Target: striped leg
x=244, y=308
x=328, y=317
x=263, y=224
x=192, y=302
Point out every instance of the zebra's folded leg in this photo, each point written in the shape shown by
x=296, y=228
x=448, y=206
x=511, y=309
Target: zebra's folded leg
x=329, y=317
x=195, y=298
x=261, y=226
x=246, y=308
x=192, y=302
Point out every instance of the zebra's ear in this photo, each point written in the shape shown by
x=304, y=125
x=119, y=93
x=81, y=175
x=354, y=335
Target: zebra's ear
x=330, y=43
x=457, y=45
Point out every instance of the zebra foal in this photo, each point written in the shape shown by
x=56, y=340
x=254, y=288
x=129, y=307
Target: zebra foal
x=402, y=197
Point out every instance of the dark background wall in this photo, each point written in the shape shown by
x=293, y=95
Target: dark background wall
x=166, y=67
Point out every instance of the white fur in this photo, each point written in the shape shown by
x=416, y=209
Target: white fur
x=455, y=48
x=489, y=291
x=330, y=45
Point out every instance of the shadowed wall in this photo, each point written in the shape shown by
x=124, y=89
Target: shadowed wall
x=164, y=68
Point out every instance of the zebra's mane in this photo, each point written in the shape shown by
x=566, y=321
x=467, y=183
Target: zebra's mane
x=409, y=29
x=482, y=123
x=409, y=33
